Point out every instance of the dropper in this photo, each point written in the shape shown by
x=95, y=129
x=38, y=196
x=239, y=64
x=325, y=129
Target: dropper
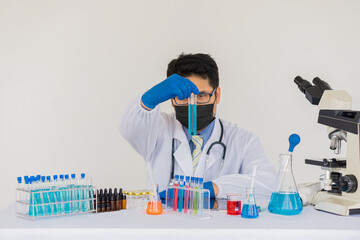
x=253, y=174
x=294, y=140
x=149, y=169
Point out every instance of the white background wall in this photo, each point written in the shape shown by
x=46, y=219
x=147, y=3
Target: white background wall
x=69, y=68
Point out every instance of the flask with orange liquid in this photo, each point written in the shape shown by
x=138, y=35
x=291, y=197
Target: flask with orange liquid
x=154, y=206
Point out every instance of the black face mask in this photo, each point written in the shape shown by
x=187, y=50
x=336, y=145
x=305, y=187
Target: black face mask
x=204, y=115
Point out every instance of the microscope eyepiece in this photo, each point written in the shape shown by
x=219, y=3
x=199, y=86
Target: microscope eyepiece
x=302, y=83
x=321, y=84
x=314, y=92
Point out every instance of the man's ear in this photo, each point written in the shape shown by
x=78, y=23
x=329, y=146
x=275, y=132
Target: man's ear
x=218, y=94
x=172, y=104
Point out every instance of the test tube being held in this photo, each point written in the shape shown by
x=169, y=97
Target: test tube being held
x=192, y=114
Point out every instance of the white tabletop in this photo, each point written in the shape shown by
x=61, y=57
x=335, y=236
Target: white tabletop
x=136, y=224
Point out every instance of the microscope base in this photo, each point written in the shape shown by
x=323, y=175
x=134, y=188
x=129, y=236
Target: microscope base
x=339, y=205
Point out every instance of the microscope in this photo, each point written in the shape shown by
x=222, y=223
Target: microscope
x=341, y=193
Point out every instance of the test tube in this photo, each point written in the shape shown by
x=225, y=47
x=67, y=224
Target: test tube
x=196, y=196
x=191, y=193
x=45, y=195
x=176, y=184
x=181, y=194
x=192, y=114
x=186, y=197
x=201, y=197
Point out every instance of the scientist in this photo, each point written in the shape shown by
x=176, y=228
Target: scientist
x=164, y=141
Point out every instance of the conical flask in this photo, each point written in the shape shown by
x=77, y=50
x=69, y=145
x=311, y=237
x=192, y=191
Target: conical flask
x=154, y=206
x=249, y=209
x=285, y=199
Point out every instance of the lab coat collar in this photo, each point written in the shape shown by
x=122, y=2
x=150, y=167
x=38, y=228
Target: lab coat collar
x=215, y=152
x=182, y=152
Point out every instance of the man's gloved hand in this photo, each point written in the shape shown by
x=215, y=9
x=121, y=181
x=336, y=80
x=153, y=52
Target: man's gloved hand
x=209, y=186
x=163, y=193
x=173, y=86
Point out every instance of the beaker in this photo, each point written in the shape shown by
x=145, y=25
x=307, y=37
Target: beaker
x=249, y=209
x=285, y=199
x=154, y=206
x=233, y=203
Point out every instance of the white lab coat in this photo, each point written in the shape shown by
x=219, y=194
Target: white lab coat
x=150, y=133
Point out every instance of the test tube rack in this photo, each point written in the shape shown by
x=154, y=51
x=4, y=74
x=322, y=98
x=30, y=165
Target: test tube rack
x=54, y=203
x=188, y=202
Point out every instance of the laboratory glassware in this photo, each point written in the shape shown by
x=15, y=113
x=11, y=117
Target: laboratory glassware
x=192, y=101
x=154, y=206
x=285, y=200
x=233, y=203
x=249, y=209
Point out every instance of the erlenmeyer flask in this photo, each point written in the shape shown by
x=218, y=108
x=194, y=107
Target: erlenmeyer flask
x=285, y=199
x=154, y=206
x=249, y=209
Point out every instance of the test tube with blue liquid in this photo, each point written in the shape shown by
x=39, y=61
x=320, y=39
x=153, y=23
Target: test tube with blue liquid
x=192, y=114
x=181, y=194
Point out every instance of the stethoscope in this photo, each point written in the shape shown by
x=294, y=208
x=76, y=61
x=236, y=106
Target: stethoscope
x=207, y=154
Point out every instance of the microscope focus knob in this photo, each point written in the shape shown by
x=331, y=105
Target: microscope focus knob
x=351, y=183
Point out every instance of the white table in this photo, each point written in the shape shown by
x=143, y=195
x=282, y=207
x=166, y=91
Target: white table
x=136, y=224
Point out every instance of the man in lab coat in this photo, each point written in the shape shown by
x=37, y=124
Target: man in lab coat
x=160, y=137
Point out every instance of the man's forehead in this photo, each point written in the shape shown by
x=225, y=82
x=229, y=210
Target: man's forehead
x=202, y=84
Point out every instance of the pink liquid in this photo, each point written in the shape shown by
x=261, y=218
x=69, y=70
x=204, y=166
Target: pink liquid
x=175, y=197
x=233, y=207
x=186, y=200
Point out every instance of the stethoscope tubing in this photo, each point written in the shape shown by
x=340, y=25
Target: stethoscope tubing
x=207, y=154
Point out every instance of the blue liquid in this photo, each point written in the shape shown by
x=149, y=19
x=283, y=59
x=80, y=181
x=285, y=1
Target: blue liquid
x=285, y=203
x=32, y=209
x=181, y=199
x=85, y=195
x=46, y=200
x=249, y=211
x=60, y=209
x=52, y=200
x=192, y=119
x=40, y=210
x=66, y=198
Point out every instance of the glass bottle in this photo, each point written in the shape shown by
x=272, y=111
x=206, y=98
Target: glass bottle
x=285, y=199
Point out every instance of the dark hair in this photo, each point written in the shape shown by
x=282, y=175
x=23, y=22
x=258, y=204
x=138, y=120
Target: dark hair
x=199, y=64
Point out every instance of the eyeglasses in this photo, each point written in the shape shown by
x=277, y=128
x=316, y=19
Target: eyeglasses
x=202, y=98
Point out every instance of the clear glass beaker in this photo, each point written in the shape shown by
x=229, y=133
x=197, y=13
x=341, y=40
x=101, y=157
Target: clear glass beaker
x=154, y=206
x=233, y=203
x=285, y=199
x=249, y=209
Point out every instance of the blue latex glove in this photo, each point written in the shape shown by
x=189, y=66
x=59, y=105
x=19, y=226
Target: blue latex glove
x=173, y=86
x=163, y=193
x=209, y=186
